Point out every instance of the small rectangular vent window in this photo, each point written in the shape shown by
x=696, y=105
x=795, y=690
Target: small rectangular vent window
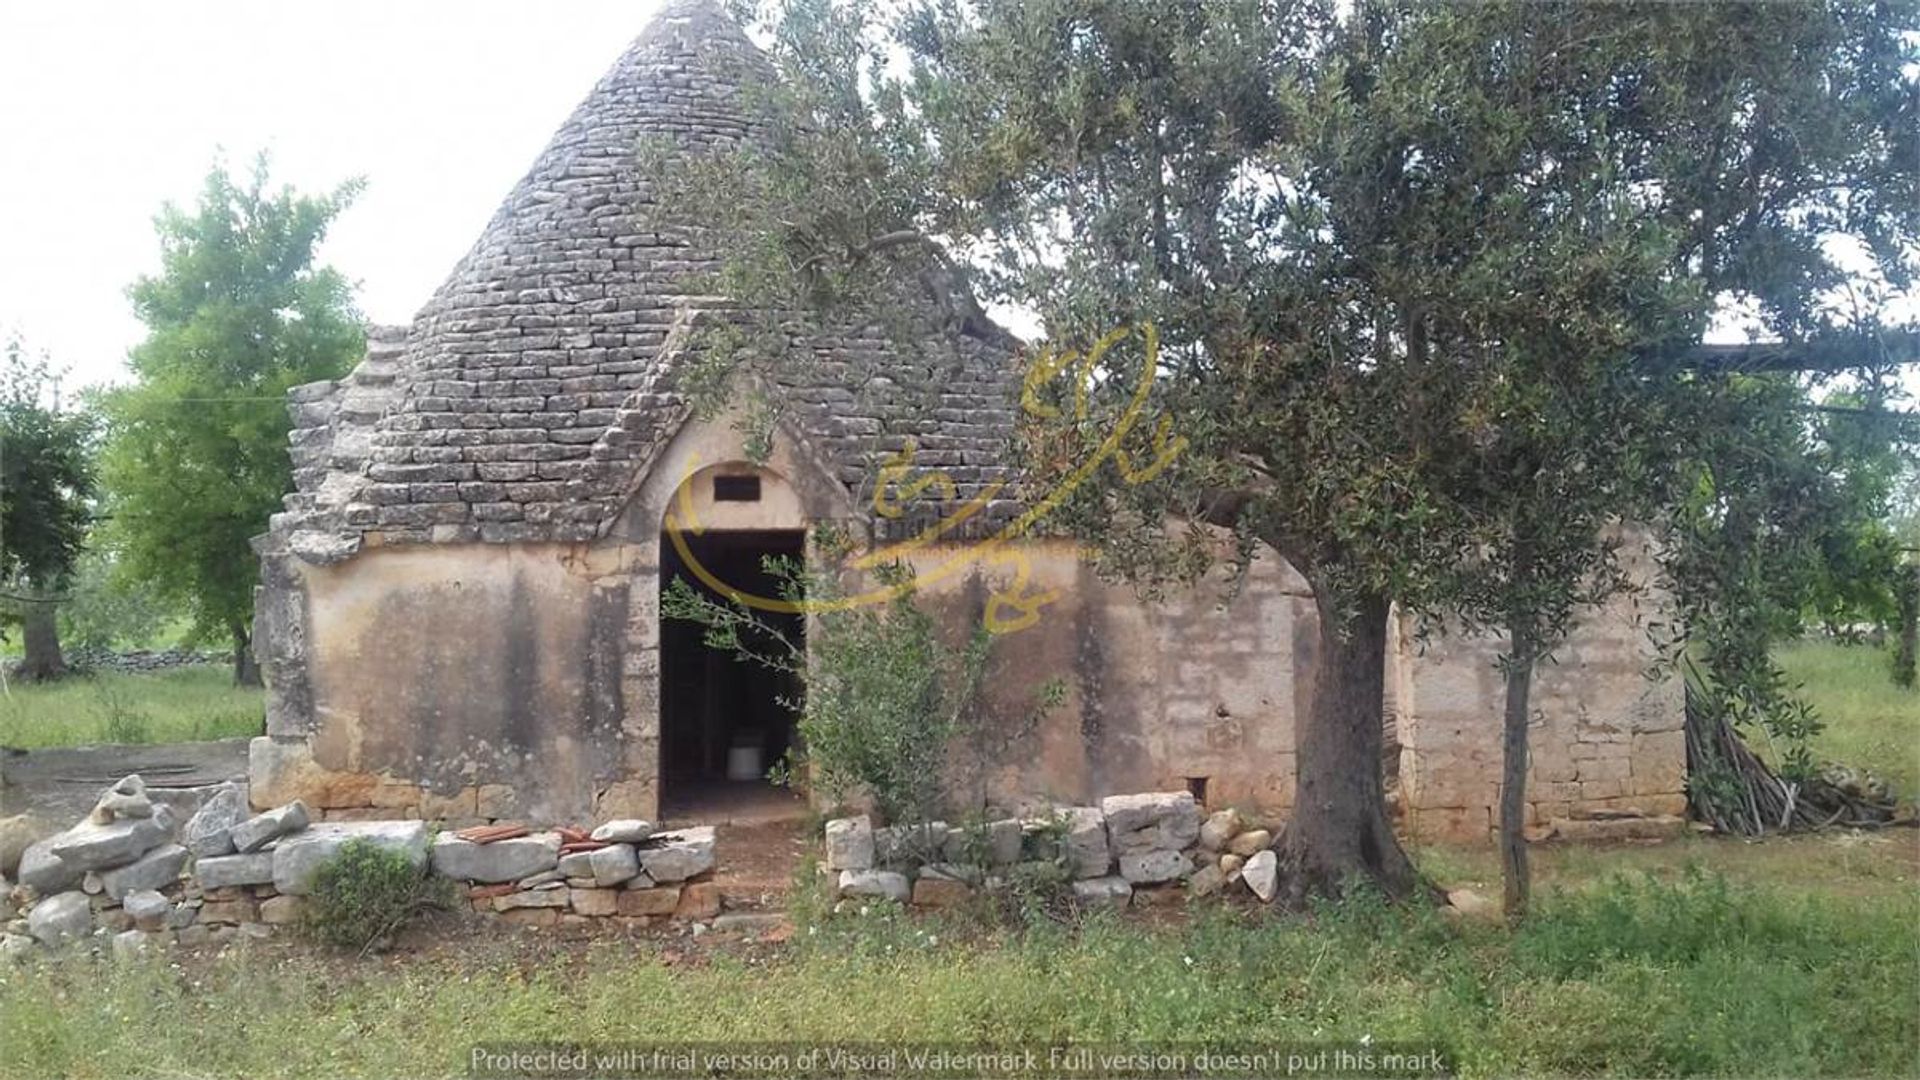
x=736, y=489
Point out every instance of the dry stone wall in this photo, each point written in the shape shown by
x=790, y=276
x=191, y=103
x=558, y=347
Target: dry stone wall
x=1140, y=850
x=133, y=876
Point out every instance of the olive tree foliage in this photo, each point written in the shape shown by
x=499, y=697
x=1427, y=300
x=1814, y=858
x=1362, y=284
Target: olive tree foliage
x=46, y=491
x=1783, y=517
x=1741, y=142
x=1866, y=456
x=196, y=454
x=1405, y=266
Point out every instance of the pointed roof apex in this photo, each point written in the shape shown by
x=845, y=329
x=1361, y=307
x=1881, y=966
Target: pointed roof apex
x=534, y=386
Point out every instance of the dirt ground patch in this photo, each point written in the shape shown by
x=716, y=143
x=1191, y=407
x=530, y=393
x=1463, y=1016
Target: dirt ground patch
x=60, y=784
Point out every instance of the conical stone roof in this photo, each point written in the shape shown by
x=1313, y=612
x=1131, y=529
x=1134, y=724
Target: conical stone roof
x=534, y=386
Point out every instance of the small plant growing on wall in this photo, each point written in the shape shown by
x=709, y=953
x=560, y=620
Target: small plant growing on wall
x=364, y=895
x=886, y=693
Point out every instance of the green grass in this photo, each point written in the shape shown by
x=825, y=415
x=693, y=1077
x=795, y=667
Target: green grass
x=1870, y=722
x=1679, y=975
x=181, y=705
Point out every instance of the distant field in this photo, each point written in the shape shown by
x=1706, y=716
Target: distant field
x=1870, y=721
x=182, y=705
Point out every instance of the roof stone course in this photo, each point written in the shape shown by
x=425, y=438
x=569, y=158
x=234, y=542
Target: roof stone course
x=534, y=387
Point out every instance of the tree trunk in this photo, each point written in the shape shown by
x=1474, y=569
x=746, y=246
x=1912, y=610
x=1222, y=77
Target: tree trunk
x=1908, y=592
x=1513, y=773
x=1339, y=832
x=246, y=669
x=42, y=662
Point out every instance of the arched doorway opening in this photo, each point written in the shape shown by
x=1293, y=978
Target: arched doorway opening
x=726, y=719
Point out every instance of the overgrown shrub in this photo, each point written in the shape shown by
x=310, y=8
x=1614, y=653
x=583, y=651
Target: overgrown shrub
x=362, y=896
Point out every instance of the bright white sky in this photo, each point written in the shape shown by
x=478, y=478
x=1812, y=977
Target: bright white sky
x=108, y=110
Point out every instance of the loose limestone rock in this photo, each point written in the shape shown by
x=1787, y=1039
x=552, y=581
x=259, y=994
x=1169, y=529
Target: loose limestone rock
x=680, y=855
x=1206, y=881
x=1219, y=828
x=886, y=884
x=1153, y=867
x=225, y=870
x=531, y=898
x=148, y=908
x=124, y=801
x=46, y=873
x=850, y=843
x=502, y=860
x=698, y=900
x=279, y=910
x=299, y=855
x=1107, y=891
x=17, y=834
x=1167, y=820
x=1088, y=852
x=129, y=944
x=597, y=902
x=92, y=846
x=1004, y=840
x=253, y=834
x=154, y=870
x=1250, y=843
x=15, y=948
x=59, y=918
x=623, y=831
x=904, y=846
x=209, y=832
x=229, y=912
x=575, y=864
x=612, y=865
x=657, y=901
x=1262, y=874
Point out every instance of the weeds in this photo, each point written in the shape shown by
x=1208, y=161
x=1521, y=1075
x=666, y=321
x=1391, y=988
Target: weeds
x=1629, y=977
x=362, y=896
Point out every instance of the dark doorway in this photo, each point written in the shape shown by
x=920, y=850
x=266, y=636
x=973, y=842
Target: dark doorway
x=722, y=721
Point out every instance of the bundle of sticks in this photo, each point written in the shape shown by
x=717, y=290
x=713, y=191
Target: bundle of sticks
x=1734, y=790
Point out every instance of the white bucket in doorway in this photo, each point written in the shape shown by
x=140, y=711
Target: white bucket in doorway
x=743, y=757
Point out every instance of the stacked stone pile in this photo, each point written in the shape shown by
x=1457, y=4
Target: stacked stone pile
x=1139, y=849
x=624, y=870
x=131, y=875
x=78, y=881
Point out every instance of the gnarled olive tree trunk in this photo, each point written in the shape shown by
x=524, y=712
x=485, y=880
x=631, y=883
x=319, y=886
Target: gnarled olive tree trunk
x=1339, y=832
x=42, y=661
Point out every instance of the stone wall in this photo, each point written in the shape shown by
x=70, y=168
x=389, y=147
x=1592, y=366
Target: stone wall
x=1144, y=850
x=136, y=876
x=476, y=682
x=139, y=661
x=1606, y=740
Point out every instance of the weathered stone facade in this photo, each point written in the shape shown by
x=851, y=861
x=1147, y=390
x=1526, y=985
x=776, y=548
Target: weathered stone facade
x=459, y=613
